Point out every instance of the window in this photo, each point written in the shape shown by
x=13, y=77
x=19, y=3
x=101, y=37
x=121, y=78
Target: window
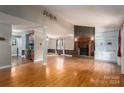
x=59, y=44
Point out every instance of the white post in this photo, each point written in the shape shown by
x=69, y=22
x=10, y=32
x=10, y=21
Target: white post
x=44, y=45
x=40, y=45
x=122, y=48
x=63, y=46
x=56, y=47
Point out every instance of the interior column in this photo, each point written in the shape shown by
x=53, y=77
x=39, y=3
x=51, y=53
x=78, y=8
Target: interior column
x=45, y=47
x=122, y=48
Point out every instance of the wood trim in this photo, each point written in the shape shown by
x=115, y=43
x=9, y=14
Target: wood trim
x=51, y=50
x=69, y=52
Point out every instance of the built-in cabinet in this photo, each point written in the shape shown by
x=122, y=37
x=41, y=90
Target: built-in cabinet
x=106, y=44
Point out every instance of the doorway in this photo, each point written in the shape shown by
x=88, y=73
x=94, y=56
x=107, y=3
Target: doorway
x=16, y=46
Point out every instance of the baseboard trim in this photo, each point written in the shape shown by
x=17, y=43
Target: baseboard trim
x=68, y=55
x=8, y=66
x=38, y=60
x=101, y=60
x=16, y=55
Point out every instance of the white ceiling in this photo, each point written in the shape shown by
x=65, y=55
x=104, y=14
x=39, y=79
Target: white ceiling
x=89, y=15
x=76, y=14
x=8, y=19
x=18, y=24
x=21, y=25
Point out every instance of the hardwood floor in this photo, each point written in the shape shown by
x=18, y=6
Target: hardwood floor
x=60, y=71
x=19, y=61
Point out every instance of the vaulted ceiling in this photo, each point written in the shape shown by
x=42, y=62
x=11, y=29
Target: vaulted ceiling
x=90, y=15
x=18, y=24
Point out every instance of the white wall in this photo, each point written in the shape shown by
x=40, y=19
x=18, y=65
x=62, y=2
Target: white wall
x=5, y=46
x=103, y=51
x=52, y=43
x=69, y=43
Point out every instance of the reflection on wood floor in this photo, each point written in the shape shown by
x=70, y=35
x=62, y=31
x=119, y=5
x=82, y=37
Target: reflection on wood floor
x=19, y=60
x=63, y=71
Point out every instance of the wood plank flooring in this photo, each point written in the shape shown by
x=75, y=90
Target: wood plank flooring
x=19, y=61
x=63, y=72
